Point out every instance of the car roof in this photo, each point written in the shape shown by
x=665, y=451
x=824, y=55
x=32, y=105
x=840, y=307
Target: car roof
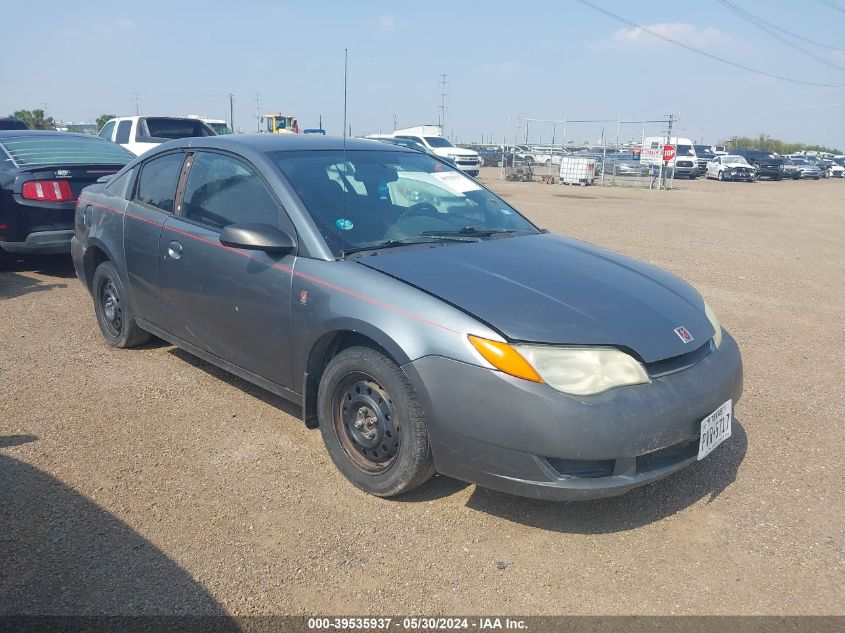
x=286, y=142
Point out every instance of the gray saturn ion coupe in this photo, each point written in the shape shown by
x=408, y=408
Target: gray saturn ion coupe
x=420, y=321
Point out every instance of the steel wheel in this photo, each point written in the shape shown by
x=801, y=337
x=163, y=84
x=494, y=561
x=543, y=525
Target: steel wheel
x=366, y=423
x=112, y=308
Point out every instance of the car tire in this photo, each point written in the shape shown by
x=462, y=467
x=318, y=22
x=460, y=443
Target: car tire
x=114, y=314
x=720, y=176
x=373, y=424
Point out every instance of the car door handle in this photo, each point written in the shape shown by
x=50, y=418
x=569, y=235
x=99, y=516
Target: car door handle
x=174, y=249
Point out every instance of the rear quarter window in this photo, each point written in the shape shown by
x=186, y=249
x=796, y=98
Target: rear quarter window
x=158, y=180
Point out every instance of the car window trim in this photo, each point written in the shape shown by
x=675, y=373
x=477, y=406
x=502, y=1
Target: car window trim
x=213, y=150
x=134, y=197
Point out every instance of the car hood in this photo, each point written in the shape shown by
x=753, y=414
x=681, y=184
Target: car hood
x=735, y=165
x=550, y=289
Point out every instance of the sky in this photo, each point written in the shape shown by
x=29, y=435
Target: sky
x=504, y=62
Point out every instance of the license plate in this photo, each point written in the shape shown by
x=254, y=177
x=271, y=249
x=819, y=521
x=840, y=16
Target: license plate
x=715, y=429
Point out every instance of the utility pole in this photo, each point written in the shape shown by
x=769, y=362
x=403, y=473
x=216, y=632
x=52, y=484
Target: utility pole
x=394, y=122
x=232, y=112
x=668, y=142
x=137, y=104
x=257, y=112
x=443, y=95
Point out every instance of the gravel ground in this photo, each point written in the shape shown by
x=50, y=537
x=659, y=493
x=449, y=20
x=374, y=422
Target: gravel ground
x=147, y=481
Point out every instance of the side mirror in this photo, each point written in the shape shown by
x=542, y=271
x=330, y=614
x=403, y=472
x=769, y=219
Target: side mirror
x=258, y=237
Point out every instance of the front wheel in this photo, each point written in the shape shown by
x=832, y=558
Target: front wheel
x=721, y=176
x=373, y=424
x=114, y=314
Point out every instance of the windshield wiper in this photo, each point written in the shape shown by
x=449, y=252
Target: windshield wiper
x=470, y=231
x=421, y=239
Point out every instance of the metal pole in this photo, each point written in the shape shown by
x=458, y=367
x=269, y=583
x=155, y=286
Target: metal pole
x=232, y=112
x=618, y=129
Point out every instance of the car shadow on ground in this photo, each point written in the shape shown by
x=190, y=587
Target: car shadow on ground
x=64, y=555
x=14, y=282
x=265, y=396
x=707, y=478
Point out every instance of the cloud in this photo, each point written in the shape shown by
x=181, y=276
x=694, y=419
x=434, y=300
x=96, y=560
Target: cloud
x=125, y=23
x=388, y=23
x=503, y=68
x=680, y=31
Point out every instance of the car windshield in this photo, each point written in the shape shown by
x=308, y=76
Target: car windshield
x=685, y=150
x=733, y=158
x=220, y=128
x=363, y=198
x=438, y=141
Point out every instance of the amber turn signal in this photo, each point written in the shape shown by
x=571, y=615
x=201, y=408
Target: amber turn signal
x=504, y=357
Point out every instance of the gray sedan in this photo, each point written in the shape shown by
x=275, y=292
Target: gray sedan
x=419, y=320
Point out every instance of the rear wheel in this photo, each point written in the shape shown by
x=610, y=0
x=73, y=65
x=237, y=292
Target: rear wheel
x=114, y=314
x=372, y=423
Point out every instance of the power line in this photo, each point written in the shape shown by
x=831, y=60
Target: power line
x=762, y=25
x=833, y=5
x=796, y=36
x=692, y=49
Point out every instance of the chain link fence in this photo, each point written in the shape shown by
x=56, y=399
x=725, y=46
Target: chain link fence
x=603, y=152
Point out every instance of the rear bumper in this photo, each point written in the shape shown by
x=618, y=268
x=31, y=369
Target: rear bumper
x=528, y=439
x=41, y=242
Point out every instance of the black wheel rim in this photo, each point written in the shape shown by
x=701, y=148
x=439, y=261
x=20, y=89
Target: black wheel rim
x=366, y=423
x=111, y=307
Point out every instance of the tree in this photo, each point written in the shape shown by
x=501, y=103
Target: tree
x=769, y=144
x=103, y=119
x=35, y=120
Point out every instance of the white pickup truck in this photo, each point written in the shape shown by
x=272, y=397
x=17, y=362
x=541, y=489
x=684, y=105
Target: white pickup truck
x=141, y=133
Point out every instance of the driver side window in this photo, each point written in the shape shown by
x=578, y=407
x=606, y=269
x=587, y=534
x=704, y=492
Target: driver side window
x=222, y=190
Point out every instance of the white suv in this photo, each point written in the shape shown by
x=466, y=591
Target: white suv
x=141, y=133
x=465, y=159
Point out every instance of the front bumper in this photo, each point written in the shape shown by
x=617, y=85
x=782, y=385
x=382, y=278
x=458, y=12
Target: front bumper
x=528, y=439
x=41, y=243
x=77, y=255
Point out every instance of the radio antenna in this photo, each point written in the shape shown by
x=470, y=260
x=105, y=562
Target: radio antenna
x=345, y=73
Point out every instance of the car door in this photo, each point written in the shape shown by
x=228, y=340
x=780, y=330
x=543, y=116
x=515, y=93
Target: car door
x=233, y=303
x=152, y=202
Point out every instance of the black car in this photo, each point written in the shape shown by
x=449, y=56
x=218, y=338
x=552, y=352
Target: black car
x=768, y=165
x=492, y=156
x=704, y=155
x=412, y=144
x=41, y=176
x=11, y=123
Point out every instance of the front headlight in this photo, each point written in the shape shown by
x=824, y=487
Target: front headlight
x=579, y=371
x=711, y=316
x=584, y=371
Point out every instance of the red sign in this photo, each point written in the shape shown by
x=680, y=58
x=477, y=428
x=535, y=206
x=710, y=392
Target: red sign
x=668, y=152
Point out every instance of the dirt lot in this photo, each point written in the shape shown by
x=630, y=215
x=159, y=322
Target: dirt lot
x=147, y=481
